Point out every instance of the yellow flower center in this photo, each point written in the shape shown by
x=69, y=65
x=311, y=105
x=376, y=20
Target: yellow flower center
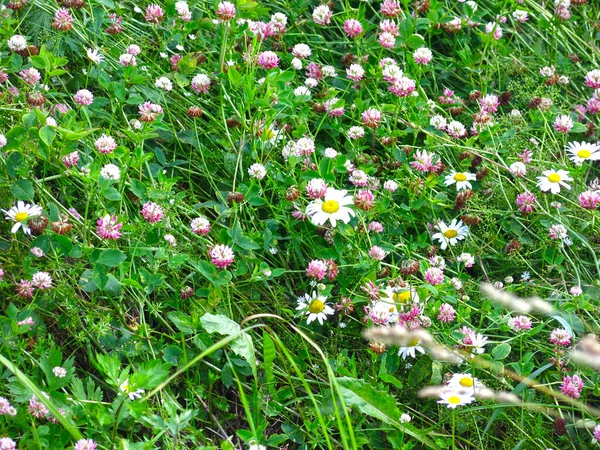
x=455, y=400
x=401, y=297
x=554, y=178
x=450, y=233
x=316, y=307
x=584, y=154
x=413, y=342
x=460, y=177
x=466, y=382
x=269, y=134
x=20, y=217
x=330, y=206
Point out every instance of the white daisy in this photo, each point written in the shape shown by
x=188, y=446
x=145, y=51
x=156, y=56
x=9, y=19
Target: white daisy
x=411, y=349
x=20, y=214
x=314, y=307
x=332, y=207
x=453, y=398
x=464, y=381
x=478, y=342
x=462, y=180
x=94, y=55
x=451, y=234
x=402, y=295
x=583, y=151
x=552, y=180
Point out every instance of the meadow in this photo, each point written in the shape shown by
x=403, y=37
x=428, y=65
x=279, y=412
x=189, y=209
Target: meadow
x=286, y=224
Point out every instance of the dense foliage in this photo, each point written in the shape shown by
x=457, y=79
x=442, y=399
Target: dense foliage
x=207, y=204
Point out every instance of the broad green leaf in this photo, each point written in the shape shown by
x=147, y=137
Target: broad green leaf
x=242, y=346
x=47, y=135
x=366, y=399
x=22, y=190
x=268, y=358
x=112, y=257
x=501, y=351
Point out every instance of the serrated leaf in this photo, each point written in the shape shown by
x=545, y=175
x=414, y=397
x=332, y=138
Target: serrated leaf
x=366, y=399
x=242, y=346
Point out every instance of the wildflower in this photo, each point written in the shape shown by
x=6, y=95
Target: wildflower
x=364, y=199
x=563, y=124
x=589, y=199
x=316, y=188
x=63, y=20
x=332, y=207
x=462, y=180
x=30, y=76
x=331, y=109
x=110, y=172
x=225, y=11
x=164, y=84
x=200, y=83
x=560, y=337
x=371, y=118
x=149, y=111
x=330, y=152
x=20, y=213
x=355, y=72
x=317, y=269
x=375, y=227
x=154, y=13
x=464, y=381
x=526, y=202
x=170, y=239
x=583, y=151
x=558, y=231
x=403, y=87
x=495, y=29
x=257, y=171
x=18, y=43
x=434, y=275
x=352, y=28
x=377, y=253
x=446, y=313
x=520, y=16
x=200, y=225
x=268, y=59
x=322, y=15
x=3, y=141
x=422, y=56
x=83, y=97
x=520, y=323
x=152, y=212
x=221, y=255
x=552, y=180
x=572, y=386
x=451, y=234
x=85, y=444
x=438, y=122
x=42, y=280
x=105, y=144
x=36, y=408
x=183, y=11
x=592, y=78
x=356, y=132
x=576, y=291
x=596, y=433
x=518, y=169
x=108, y=227
x=315, y=307
x=456, y=129
x=129, y=390
x=127, y=59
x=387, y=39
x=7, y=443
x=489, y=103
x=467, y=259
x=405, y=418
x=411, y=349
x=304, y=147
